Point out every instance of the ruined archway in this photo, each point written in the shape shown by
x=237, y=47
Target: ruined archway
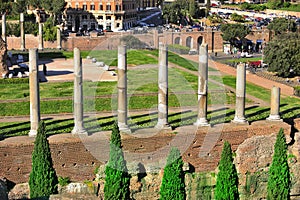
x=189, y=42
x=177, y=40
x=199, y=41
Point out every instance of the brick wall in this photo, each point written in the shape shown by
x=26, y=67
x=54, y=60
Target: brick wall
x=77, y=160
x=112, y=39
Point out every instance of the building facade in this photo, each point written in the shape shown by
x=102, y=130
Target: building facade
x=100, y=14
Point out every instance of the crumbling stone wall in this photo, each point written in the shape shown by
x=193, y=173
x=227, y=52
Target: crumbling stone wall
x=253, y=146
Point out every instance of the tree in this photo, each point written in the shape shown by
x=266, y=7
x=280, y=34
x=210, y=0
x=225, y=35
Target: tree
x=19, y=7
x=50, y=31
x=43, y=180
x=279, y=175
x=282, y=54
x=274, y=4
x=282, y=25
x=54, y=8
x=233, y=32
x=236, y=17
x=117, y=179
x=172, y=186
x=227, y=179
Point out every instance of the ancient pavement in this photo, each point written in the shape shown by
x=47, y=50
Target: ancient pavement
x=62, y=70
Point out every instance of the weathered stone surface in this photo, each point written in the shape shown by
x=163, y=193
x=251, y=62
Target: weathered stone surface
x=19, y=191
x=253, y=159
x=79, y=188
x=3, y=57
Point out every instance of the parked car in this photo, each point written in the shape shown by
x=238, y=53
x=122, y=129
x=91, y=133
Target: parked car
x=246, y=55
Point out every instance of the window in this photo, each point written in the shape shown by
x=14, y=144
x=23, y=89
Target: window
x=108, y=17
x=84, y=16
x=92, y=7
x=100, y=7
x=108, y=7
x=84, y=7
x=100, y=17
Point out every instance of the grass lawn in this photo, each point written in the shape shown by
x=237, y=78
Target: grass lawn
x=243, y=60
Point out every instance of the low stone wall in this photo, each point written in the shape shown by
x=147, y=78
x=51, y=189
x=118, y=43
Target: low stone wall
x=77, y=158
x=80, y=157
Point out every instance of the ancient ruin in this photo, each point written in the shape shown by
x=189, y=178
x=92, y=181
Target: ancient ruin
x=122, y=89
x=78, y=95
x=239, y=117
x=34, y=92
x=202, y=86
x=163, y=88
x=3, y=58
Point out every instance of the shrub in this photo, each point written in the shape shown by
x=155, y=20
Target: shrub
x=43, y=180
x=14, y=81
x=227, y=179
x=117, y=179
x=178, y=49
x=63, y=181
x=279, y=175
x=297, y=91
x=172, y=186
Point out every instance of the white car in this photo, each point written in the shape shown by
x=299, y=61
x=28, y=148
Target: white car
x=246, y=55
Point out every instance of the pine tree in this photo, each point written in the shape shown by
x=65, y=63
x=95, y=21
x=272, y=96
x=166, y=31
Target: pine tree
x=227, y=179
x=117, y=179
x=43, y=180
x=279, y=176
x=173, y=186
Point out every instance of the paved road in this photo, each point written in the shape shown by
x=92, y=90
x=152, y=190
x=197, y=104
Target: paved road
x=252, y=78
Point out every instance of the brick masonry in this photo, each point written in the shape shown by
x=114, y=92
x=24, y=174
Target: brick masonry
x=112, y=39
x=75, y=159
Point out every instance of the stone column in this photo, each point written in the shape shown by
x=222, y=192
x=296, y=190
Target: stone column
x=240, y=95
x=22, y=32
x=58, y=38
x=202, y=86
x=4, y=27
x=275, y=105
x=122, y=89
x=155, y=39
x=41, y=42
x=163, y=88
x=78, y=95
x=34, y=92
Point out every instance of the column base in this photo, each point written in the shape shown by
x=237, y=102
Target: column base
x=202, y=122
x=77, y=131
x=237, y=120
x=274, y=118
x=123, y=128
x=32, y=133
x=163, y=126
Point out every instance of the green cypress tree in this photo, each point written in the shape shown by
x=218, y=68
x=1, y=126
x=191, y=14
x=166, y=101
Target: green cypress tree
x=172, y=186
x=117, y=179
x=43, y=180
x=279, y=176
x=227, y=179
